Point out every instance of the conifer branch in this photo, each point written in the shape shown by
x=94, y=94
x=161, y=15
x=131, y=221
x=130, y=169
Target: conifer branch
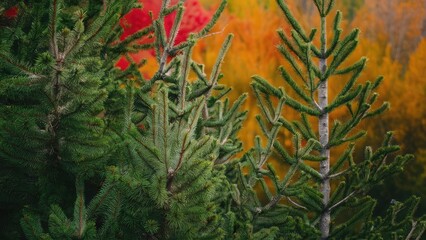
x=342, y=201
x=186, y=63
x=329, y=7
x=292, y=20
x=80, y=208
x=79, y=28
x=294, y=85
x=192, y=122
x=30, y=229
x=135, y=36
x=164, y=121
x=216, y=68
x=420, y=234
x=213, y=21
x=23, y=68
x=413, y=227
x=98, y=201
x=331, y=176
x=293, y=63
x=297, y=204
x=289, y=45
x=172, y=38
x=274, y=201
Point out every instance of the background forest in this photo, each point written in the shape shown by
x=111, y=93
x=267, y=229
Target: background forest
x=393, y=36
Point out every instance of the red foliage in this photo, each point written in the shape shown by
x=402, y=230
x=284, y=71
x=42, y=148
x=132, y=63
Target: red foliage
x=194, y=19
x=11, y=12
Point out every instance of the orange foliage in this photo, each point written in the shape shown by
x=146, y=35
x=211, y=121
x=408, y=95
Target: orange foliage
x=415, y=85
x=410, y=110
x=399, y=23
x=396, y=88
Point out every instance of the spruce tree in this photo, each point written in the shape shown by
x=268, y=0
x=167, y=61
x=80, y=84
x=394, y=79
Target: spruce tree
x=56, y=74
x=177, y=133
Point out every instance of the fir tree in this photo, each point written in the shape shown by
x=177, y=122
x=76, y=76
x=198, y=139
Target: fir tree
x=56, y=72
x=328, y=192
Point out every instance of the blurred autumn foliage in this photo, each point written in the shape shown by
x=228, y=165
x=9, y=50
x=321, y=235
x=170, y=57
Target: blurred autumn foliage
x=393, y=38
x=11, y=12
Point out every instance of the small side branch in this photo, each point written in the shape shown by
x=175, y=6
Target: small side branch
x=21, y=67
x=413, y=227
x=342, y=201
x=296, y=204
x=272, y=203
x=338, y=174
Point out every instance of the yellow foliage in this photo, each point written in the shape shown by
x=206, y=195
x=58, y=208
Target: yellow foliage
x=410, y=108
x=415, y=84
x=399, y=23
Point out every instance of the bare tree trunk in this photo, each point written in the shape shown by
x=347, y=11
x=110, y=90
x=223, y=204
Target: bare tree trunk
x=323, y=136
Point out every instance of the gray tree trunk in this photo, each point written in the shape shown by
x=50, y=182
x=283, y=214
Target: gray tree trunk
x=323, y=136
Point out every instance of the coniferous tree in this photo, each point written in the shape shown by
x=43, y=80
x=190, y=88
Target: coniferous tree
x=175, y=137
x=329, y=192
x=56, y=72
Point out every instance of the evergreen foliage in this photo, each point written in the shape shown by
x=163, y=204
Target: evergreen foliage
x=55, y=76
x=329, y=191
x=91, y=152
